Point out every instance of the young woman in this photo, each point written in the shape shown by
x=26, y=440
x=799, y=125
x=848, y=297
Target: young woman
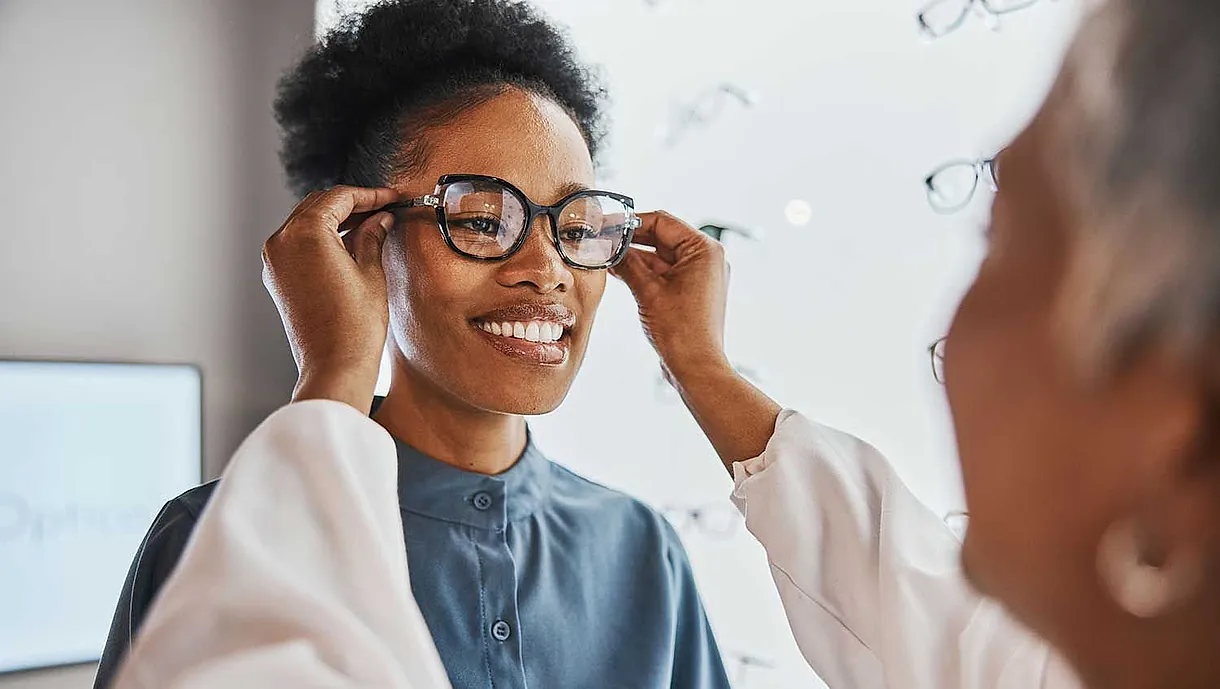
x=477, y=114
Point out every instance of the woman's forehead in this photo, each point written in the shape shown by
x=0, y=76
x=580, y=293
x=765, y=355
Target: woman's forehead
x=518, y=137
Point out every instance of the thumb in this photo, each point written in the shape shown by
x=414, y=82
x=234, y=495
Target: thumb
x=368, y=240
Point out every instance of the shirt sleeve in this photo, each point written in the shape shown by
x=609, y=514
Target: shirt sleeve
x=697, y=660
x=296, y=575
x=870, y=578
x=156, y=558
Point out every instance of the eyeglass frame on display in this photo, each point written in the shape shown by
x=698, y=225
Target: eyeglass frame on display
x=985, y=167
x=717, y=232
x=696, y=516
x=534, y=210
x=692, y=114
x=745, y=662
x=926, y=29
x=937, y=352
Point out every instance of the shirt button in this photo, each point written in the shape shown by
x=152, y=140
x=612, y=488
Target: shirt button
x=482, y=501
x=501, y=630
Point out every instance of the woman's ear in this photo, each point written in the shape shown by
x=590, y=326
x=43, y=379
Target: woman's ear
x=1155, y=559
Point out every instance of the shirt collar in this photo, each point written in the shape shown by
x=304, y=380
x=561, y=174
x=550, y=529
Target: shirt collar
x=432, y=488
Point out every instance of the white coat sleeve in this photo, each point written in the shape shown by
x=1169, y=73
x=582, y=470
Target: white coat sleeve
x=870, y=578
x=296, y=574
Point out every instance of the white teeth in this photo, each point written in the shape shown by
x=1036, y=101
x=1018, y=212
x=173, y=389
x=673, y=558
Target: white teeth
x=532, y=331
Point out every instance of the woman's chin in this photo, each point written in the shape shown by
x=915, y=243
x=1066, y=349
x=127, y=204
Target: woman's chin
x=519, y=401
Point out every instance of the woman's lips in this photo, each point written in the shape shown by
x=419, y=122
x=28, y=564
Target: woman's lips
x=539, y=333
x=543, y=353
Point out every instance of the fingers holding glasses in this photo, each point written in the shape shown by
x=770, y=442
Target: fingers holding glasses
x=637, y=259
x=667, y=234
x=332, y=208
x=330, y=290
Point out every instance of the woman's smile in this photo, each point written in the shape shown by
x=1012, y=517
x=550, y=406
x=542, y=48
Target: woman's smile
x=538, y=333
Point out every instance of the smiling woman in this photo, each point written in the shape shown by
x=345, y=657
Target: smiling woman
x=480, y=119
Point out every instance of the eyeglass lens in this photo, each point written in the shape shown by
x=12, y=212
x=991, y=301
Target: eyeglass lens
x=483, y=219
x=486, y=220
x=951, y=187
x=592, y=229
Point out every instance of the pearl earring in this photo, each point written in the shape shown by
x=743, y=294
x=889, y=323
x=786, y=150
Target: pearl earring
x=1142, y=589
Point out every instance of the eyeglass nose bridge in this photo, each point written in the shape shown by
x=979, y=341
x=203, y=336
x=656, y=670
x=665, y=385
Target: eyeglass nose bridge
x=533, y=213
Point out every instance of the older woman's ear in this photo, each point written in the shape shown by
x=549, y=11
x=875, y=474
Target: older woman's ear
x=1153, y=555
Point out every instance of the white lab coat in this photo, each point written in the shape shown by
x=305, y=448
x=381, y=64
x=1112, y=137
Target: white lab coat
x=870, y=577
x=296, y=574
x=310, y=588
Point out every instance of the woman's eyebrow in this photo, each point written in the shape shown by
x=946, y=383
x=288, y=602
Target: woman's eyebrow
x=569, y=188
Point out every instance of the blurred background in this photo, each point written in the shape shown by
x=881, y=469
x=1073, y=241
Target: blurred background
x=138, y=180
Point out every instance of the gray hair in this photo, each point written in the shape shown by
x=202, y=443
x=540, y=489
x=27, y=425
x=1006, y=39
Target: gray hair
x=1141, y=132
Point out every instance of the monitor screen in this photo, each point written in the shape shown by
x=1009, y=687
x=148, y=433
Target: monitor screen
x=88, y=455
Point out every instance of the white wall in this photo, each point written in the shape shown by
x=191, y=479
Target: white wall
x=138, y=180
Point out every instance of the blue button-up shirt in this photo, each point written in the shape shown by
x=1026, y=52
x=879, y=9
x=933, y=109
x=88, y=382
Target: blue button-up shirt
x=534, y=578
x=540, y=578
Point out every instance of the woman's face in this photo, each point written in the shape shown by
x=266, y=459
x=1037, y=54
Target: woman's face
x=1051, y=459
x=440, y=301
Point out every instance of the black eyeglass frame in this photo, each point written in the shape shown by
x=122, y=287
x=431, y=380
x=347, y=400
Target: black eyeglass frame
x=435, y=201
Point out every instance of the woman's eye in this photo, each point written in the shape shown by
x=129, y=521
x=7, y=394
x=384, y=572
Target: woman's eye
x=577, y=233
x=480, y=225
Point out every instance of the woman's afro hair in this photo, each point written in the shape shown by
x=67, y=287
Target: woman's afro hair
x=353, y=109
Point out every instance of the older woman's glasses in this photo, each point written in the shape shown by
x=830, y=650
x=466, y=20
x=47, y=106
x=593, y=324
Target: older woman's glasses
x=951, y=186
x=942, y=17
x=937, y=351
x=488, y=219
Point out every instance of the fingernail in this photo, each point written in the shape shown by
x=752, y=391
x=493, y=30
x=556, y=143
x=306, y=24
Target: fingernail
x=386, y=221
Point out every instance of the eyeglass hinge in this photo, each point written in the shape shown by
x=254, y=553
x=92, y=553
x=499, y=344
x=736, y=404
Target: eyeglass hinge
x=430, y=200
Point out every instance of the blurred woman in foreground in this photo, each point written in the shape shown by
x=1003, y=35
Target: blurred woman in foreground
x=1081, y=371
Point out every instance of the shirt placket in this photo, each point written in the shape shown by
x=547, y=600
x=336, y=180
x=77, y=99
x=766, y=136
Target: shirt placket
x=501, y=620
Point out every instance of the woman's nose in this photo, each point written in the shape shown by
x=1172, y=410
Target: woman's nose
x=538, y=264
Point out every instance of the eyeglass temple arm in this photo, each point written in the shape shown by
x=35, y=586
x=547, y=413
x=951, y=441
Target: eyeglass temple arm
x=428, y=201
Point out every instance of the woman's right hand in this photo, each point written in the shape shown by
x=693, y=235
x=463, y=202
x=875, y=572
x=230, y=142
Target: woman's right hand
x=331, y=291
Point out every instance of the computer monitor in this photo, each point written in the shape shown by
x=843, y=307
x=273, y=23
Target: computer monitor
x=89, y=452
